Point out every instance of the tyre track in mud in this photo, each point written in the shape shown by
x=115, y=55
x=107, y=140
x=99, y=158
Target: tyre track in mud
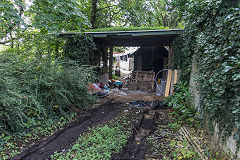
x=63, y=139
x=136, y=146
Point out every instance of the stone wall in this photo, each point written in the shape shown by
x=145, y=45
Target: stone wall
x=230, y=145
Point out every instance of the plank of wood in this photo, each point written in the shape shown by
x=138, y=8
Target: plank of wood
x=169, y=78
x=175, y=76
x=172, y=83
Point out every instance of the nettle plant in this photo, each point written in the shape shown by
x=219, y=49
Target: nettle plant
x=212, y=36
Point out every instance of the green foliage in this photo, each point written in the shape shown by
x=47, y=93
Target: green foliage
x=80, y=49
x=183, y=150
x=105, y=14
x=149, y=13
x=11, y=145
x=136, y=13
x=34, y=44
x=10, y=18
x=57, y=16
x=31, y=89
x=181, y=101
x=38, y=88
x=115, y=77
x=119, y=49
x=212, y=37
x=183, y=57
x=100, y=143
x=19, y=17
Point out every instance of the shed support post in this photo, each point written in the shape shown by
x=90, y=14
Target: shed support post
x=110, y=62
x=98, y=58
x=170, y=57
x=105, y=60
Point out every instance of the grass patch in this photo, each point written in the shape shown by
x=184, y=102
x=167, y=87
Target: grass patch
x=100, y=142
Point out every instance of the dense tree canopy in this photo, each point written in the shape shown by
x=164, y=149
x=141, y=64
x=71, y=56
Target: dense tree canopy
x=65, y=15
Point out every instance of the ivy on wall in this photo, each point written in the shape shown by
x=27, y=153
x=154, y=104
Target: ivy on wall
x=212, y=36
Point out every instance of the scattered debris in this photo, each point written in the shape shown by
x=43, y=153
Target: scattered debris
x=187, y=136
x=160, y=105
x=140, y=103
x=118, y=92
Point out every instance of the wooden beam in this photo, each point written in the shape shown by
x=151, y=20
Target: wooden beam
x=170, y=57
x=110, y=62
x=96, y=56
x=105, y=60
x=169, y=78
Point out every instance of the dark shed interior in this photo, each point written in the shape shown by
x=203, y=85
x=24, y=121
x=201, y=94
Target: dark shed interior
x=150, y=58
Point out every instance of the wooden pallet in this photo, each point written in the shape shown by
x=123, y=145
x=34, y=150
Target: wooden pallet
x=143, y=78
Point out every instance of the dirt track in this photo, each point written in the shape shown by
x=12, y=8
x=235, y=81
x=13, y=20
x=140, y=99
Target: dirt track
x=136, y=147
x=64, y=139
x=112, y=106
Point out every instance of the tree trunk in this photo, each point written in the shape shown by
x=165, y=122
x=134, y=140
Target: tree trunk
x=163, y=20
x=170, y=57
x=12, y=41
x=94, y=13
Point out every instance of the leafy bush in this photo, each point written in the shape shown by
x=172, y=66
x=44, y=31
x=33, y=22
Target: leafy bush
x=181, y=101
x=33, y=90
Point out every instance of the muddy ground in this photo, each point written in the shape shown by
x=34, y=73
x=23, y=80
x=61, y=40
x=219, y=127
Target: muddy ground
x=139, y=146
x=109, y=108
x=64, y=139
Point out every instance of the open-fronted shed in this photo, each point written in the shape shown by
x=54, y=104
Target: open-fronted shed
x=155, y=39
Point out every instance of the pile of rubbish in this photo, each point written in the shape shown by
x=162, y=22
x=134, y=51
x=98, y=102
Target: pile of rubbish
x=104, y=89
